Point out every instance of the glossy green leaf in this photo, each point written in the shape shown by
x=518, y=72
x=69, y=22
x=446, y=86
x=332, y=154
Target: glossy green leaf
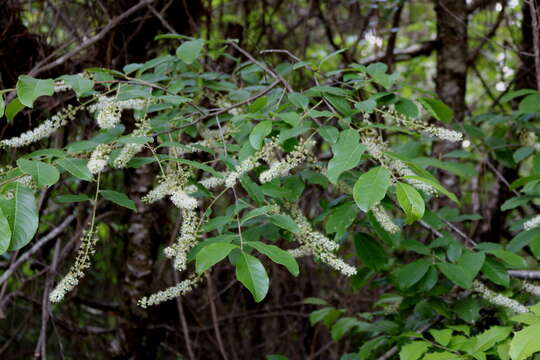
x=370, y=252
x=496, y=272
x=78, y=83
x=407, y=107
x=76, y=167
x=118, y=198
x=525, y=342
x=21, y=213
x=411, y=273
x=437, y=109
x=410, y=201
x=347, y=154
x=371, y=187
x=42, y=173
x=13, y=108
x=435, y=185
x=299, y=100
x=250, y=272
x=2, y=105
x=29, y=89
x=277, y=255
x=414, y=350
x=5, y=232
x=189, y=51
x=343, y=326
x=259, y=133
x=211, y=254
x=284, y=222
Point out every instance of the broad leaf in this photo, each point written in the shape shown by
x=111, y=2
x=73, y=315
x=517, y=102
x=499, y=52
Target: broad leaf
x=437, y=109
x=371, y=187
x=277, y=255
x=29, y=89
x=347, y=153
x=411, y=273
x=410, y=201
x=118, y=198
x=211, y=254
x=250, y=272
x=78, y=83
x=414, y=350
x=189, y=51
x=42, y=173
x=76, y=167
x=21, y=213
x=525, y=343
x=370, y=252
x=5, y=232
x=284, y=222
x=259, y=132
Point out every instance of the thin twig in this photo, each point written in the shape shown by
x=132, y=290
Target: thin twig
x=525, y=274
x=214, y=317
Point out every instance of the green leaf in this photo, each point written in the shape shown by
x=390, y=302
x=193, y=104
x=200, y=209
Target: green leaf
x=299, y=100
x=329, y=133
x=437, y=109
x=291, y=118
x=530, y=104
x=489, y=338
x=442, y=336
x=5, y=232
x=342, y=326
x=435, y=185
x=29, y=89
x=366, y=106
x=327, y=315
x=284, y=222
x=118, y=198
x=414, y=350
x=72, y=198
x=371, y=187
x=341, y=218
x=512, y=260
x=516, y=93
x=2, y=105
x=407, y=107
x=189, y=51
x=496, y=272
x=259, y=132
x=277, y=255
x=370, y=252
x=78, y=83
x=250, y=272
x=76, y=167
x=42, y=173
x=410, y=201
x=523, y=239
x=211, y=254
x=13, y=109
x=457, y=274
x=411, y=273
x=525, y=343
x=21, y=213
x=347, y=154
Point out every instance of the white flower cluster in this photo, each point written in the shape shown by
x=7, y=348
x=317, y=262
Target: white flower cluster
x=292, y=160
x=185, y=242
x=209, y=183
x=374, y=148
x=531, y=288
x=245, y=166
x=130, y=150
x=26, y=180
x=444, y=134
x=532, y=223
x=76, y=272
x=61, y=86
x=98, y=158
x=402, y=169
x=498, y=299
x=44, y=130
x=109, y=116
x=164, y=188
x=384, y=219
x=300, y=251
x=315, y=243
x=183, y=201
x=179, y=289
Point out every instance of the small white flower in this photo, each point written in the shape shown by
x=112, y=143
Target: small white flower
x=531, y=288
x=444, y=134
x=384, y=219
x=498, y=299
x=98, y=159
x=183, y=201
x=109, y=116
x=532, y=223
x=179, y=289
